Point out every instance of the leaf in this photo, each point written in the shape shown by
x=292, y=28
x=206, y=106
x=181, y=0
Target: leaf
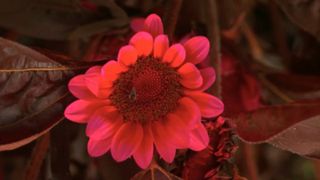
x=260, y=125
x=33, y=93
x=57, y=20
x=303, y=13
x=302, y=138
x=155, y=172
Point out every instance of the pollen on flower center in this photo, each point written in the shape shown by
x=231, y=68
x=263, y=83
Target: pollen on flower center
x=148, y=91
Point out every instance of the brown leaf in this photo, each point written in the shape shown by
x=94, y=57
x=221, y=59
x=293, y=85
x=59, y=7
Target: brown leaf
x=302, y=138
x=33, y=93
x=305, y=14
x=265, y=123
x=155, y=173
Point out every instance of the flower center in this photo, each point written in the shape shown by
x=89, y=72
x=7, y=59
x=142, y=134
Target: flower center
x=148, y=91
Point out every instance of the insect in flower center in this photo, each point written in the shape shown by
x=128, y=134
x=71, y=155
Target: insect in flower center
x=148, y=91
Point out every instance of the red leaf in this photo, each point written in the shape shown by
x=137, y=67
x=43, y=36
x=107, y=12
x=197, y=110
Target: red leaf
x=265, y=123
x=302, y=138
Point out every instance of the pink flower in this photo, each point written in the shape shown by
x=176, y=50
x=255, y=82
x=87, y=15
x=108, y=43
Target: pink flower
x=152, y=95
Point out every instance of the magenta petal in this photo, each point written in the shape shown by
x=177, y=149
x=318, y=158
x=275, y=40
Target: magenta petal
x=103, y=123
x=144, y=153
x=127, y=55
x=208, y=76
x=97, y=148
x=143, y=43
x=197, y=49
x=179, y=134
x=166, y=150
x=153, y=25
x=175, y=55
x=161, y=44
x=210, y=106
x=199, y=138
x=137, y=24
x=94, y=82
x=189, y=112
x=126, y=141
x=80, y=111
x=191, y=77
x=78, y=88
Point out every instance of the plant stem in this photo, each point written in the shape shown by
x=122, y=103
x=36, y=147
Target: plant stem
x=215, y=41
x=250, y=158
x=38, y=154
x=172, y=15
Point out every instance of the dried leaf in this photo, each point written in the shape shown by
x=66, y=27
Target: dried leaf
x=155, y=173
x=265, y=123
x=33, y=93
x=302, y=138
x=305, y=14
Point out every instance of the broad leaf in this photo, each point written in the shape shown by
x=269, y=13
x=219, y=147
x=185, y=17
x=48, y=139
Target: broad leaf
x=33, y=93
x=265, y=123
x=302, y=138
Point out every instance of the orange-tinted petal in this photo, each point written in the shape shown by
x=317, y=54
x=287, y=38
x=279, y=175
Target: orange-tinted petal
x=199, y=138
x=143, y=155
x=153, y=25
x=191, y=77
x=175, y=55
x=210, y=106
x=97, y=148
x=127, y=55
x=111, y=71
x=161, y=44
x=166, y=150
x=143, y=43
x=126, y=141
x=189, y=112
x=197, y=49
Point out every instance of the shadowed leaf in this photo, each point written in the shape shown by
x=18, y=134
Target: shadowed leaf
x=302, y=138
x=156, y=173
x=260, y=125
x=33, y=93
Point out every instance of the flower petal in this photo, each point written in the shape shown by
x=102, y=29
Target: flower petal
x=144, y=153
x=166, y=150
x=161, y=44
x=143, y=43
x=78, y=88
x=210, y=106
x=97, y=148
x=175, y=55
x=127, y=55
x=80, y=111
x=209, y=76
x=103, y=123
x=111, y=71
x=153, y=25
x=174, y=127
x=126, y=141
x=199, y=138
x=95, y=83
x=197, y=49
x=191, y=77
x=189, y=112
